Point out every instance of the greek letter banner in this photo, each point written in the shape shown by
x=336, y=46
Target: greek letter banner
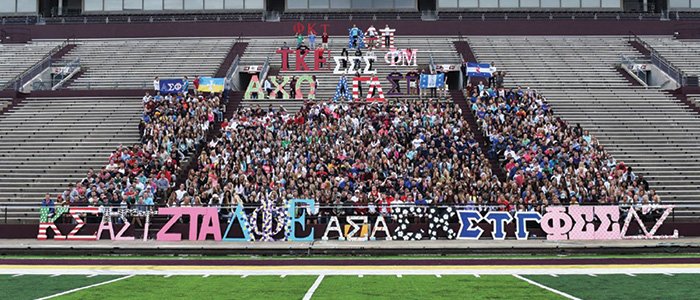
x=172, y=86
x=291, y=222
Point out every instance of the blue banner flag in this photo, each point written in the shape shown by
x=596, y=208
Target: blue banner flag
x=479, y=70
x=172, y=86
x=428, y=81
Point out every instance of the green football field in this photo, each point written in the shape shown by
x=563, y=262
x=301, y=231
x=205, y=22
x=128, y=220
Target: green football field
x=622, y=286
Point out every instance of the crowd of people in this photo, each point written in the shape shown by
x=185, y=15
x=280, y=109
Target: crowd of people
x=356, y=156
x=362, y=158
x=142, y=175
x=547, y=160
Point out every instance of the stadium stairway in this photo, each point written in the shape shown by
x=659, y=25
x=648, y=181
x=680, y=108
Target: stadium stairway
x=48, y=143
x=237, y=49
x=648, y=129
x=461, y=101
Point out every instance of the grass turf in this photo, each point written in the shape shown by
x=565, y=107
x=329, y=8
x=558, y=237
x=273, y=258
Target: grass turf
x=657, y=286
x=37, y=286
x=197, y=287
x=640, y=286
x=429, y=287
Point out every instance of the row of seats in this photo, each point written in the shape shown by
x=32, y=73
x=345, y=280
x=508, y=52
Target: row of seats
x=133, y=63
x=48, y=143
x=648, y=129
x=17, y=58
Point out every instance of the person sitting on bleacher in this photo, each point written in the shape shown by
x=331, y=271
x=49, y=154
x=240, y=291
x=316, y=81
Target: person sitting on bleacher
x=547, y=160
x=417, y=152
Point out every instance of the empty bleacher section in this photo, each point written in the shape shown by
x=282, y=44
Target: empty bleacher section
x=17, y=58
x=133, y=63
x=648, y=129
x=572, y=62
x=684, y=54
x=47, y=143
x=441, y=49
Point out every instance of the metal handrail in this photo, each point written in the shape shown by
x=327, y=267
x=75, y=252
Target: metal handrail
x=73, y=67
x=231, y=74
x=661, y=62
x=265, y=69
x=43, y=63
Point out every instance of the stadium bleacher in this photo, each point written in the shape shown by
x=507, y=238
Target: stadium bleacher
x=17, y=58
x=47, y=143
x=133, y=63
x=645, y=128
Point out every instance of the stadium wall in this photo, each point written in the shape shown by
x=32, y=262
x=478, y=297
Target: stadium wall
x=685, y=29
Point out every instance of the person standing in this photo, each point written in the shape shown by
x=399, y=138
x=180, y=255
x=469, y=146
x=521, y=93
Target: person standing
x=267, y=85
x=324, y=40
x=312, y=40
x=156, y=85
x=300, y=40
x=293, y=88
x=387, y=36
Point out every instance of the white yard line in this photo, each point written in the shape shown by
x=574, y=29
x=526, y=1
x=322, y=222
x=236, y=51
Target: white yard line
x=283, y=275
x=558, y=292
x=593, y=275
x=399, y=275
x=168, y=276
x=477, y=275
x=91, y=275
x=668, y=274
x=17, y=275
x=438, y=275
x=313, y=288
x=205, y=275
x=244, y=276
x=360, y=275
x=554, y=275
x=55, y=275
x=630, y=274
x=86, y=287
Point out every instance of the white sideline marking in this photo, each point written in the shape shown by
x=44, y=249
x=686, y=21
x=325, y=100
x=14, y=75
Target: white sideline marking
x=17, y=275
x=630, y=274
x=558, y=292
x=360, y=275
x=90, y=276
x=313, y=288
x=477, y=275
x=399, y=275
x=205, y=275
x=668, y=274
x=283, y=275
x=438, y=275
x=593, y=275
x=86, y=287
x=244, y=276
x=55, y=275
x=554, y=275
x=167, y=276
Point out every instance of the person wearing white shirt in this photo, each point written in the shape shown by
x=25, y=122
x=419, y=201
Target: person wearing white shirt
x=156, y=84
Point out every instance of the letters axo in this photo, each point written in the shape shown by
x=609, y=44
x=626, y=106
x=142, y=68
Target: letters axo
x=271, y=223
